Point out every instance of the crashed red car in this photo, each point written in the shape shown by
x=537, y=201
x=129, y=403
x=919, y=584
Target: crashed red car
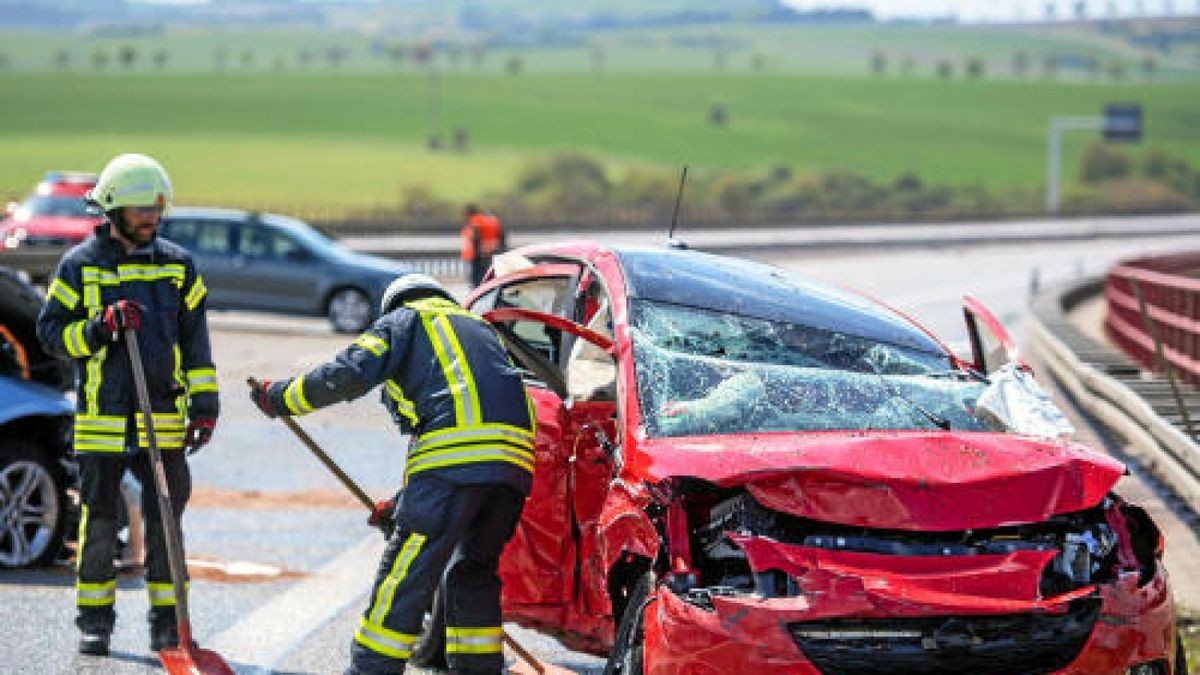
x=740, y=471
x=55, y=214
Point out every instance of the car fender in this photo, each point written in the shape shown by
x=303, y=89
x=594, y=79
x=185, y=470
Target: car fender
x=624, y=528
x=27, y=399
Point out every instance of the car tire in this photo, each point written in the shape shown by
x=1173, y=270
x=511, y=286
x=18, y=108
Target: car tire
x=349, y=310
x=32, y=505
x=627, y=655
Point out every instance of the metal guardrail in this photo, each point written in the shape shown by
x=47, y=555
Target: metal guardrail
x=1172, y=297
x=1114, y=390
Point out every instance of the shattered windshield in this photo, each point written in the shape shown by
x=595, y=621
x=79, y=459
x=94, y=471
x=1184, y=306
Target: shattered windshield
x=704, y=372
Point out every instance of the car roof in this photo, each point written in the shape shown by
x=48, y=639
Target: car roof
x=747, y=288
x=66, y=183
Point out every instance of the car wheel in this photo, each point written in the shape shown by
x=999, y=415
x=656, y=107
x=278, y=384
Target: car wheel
x=627, y=652
x=349, y=310
x=32, y=506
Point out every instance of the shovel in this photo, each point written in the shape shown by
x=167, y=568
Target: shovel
x=532, y=661
x=185, y=659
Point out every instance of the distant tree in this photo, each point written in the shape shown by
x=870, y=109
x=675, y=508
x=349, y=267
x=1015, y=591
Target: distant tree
x=718, y=115
x=878, y=62
x=396, y=53
x=975, y=67
x=461, y=139
x=1117, y=70
x=1149, y=66
x=945, y=69
x=247, y=59
x=1020, y=64
x=160, y=59
x=478, y=52
x=1102, y=162
x=336, y=55
x=514, y=65
x=62, y=60
x=127, y=56
x=1050, y=66
x=304, y=58
x=907, y=64
x=99, y=59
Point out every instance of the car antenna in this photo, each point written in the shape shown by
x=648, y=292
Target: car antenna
x=672, y=242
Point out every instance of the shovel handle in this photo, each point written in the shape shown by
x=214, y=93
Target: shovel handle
x=170, y=528
x=320, y=454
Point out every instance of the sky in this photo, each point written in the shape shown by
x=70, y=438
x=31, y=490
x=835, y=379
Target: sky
x=1005, y=10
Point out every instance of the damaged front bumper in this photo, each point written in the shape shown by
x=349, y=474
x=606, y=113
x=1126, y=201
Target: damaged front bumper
x=855, y=612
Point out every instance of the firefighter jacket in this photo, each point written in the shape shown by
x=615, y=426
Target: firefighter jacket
x=173, y=340
x=447, y=380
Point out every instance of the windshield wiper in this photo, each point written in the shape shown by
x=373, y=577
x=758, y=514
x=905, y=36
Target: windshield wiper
x=939, y=421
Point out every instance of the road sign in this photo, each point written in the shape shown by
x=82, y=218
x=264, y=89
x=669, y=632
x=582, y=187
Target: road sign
x=1123, y=122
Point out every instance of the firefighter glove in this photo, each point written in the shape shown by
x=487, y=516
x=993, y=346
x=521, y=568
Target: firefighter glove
x=260, y=394
x=383, y=516
x=117, y=317
x=199, y=433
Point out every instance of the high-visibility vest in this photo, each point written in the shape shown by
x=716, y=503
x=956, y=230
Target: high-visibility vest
x=486, y=230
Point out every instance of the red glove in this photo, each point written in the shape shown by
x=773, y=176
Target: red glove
x=259, y=395
x=383, y=516
x=117, y=317
x=199, y=433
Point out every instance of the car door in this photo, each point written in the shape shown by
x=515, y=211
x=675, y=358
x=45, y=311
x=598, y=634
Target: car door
x=213, y=244
x=276, y=272
x=991, y=345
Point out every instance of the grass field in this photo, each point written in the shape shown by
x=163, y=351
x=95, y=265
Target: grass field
x=356, y=139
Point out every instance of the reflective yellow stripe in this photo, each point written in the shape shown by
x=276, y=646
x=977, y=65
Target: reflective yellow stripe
x=142, y=272
x=201, y=380
x=372, y=344
x=473, y=640
x=387, y=588
x=196, y=294
x=403, y=405
x=455, y=369
x=95, y=595
x=169, y=431
x=293, y=397
x=438, y=305
x=61, y=291
x=162, y=594
x=91, y=296
x=439, y=459
x=82, y=546
x=74, y=340
x=91, y=385
x=505, y=433
x=383, y=641
x=99, y=433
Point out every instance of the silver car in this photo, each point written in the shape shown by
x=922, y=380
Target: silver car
x=272, y=263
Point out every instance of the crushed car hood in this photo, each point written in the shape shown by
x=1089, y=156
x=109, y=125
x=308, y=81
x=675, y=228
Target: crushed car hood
x=926, y=481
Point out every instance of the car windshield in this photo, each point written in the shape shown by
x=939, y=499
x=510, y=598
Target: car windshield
x=704, y=372
x=304, y=232
x=48, y=205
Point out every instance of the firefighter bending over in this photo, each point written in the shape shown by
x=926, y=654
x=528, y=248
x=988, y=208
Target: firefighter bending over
x=448, y=381
x=124, y=277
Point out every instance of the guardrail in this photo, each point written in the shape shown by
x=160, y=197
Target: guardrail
x=1172, y=296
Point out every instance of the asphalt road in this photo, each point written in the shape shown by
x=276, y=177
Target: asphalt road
x=289, y=556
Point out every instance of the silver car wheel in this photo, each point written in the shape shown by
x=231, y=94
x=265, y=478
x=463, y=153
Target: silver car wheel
x=349, y=310
x=29, y=512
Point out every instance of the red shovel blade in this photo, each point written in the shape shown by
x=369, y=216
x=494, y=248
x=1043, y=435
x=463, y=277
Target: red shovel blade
x=193, y=661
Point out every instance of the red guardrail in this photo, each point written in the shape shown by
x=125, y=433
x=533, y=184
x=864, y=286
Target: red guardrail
x=1171, y=287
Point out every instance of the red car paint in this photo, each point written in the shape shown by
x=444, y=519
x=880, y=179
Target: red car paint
x=53, y=214
x=608, y=498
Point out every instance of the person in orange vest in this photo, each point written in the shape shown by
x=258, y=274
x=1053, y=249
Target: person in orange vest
x=482, y=238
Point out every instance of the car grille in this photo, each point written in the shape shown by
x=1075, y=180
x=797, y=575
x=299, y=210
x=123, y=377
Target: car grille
x=1017, y=644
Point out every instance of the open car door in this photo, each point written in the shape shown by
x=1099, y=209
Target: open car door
x=540, y=566
x=991, y=345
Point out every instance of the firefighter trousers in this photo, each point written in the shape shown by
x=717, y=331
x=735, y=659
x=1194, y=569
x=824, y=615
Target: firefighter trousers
x=445, y=533
x=100, y=493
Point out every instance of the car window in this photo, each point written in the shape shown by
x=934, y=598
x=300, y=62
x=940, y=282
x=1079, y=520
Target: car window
x=214, y=236
x=46, y=205
x=182, y=232
x=261, y=242
x=551, y=295
x=591, y=373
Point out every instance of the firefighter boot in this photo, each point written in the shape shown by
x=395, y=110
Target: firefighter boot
x=164, y=629
x=94, y=641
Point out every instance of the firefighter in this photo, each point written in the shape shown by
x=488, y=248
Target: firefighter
x=125, y=277
x=483, y=237
x=448, y=382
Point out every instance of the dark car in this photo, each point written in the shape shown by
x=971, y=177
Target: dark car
x=273, y=263
x=35, y=435
x=740, y=471
x=54, y=215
